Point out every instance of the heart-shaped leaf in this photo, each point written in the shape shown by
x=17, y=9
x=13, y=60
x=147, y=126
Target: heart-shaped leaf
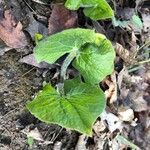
x=94, y=53
x=73, y=4
x=95, y=9
x=77, y=110
x=96, y=61
x=55, y=46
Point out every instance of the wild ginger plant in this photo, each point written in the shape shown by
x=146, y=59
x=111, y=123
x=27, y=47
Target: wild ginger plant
x=74, y=104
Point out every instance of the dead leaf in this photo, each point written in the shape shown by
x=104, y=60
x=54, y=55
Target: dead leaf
x=36, y=27
x=146, y=22
x=57, y=146
x=111, y=93
x=133, y=43
x=133, y=87
x=30, y=59
x=35, y=134
x=98, y=127
x=81, y=144
x=127, y=56
x=113, y=121
x=126, y=114
x=139, y=104
x=11, y=32
x=125, y=13
x=61, y=18
x=3, y=48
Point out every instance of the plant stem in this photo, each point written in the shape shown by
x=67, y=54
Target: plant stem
x=66, y=63
x=144, y=61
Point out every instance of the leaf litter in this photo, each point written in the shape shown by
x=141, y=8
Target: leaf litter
x=11, y=32
x=127, y=112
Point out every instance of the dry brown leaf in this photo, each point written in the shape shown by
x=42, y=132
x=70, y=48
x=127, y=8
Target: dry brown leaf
x=126, y=114
x=81, y=144
x=30, y=60
x=113, y=122
x=11, y=32
x=61, y=18
x=139, y=103
x=127, y=56
x=35, y=134
x=111, y=93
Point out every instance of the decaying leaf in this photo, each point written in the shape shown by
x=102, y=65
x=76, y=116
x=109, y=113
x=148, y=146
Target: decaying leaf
x=81, y=144
x=111, y=93
x=11, y=32
x=139, y=104
x=133, y=87
x=99, y=127
x=146, y=22
x=30, y=60
x=35, y=134
x=127, y=56
x=61, y=18
x=126, y=114
x=35, y=27
x=112, y=120
x=3, y=48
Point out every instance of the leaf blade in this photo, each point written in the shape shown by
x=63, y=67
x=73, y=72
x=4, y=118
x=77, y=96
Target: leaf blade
x=55, y=46
x=77, y=112
x=95, y=9
x=96, y=62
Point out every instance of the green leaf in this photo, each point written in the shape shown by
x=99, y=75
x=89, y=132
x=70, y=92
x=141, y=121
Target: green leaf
x=95, y=62
x=37, y=38
x=30, y=141
x=77, y=110
x=125, y=141
x=95, y=9
x=119, y=23
x=101, y=10
x=55, y=46
x=73, y=4
x=137, y=21
x=94, y=53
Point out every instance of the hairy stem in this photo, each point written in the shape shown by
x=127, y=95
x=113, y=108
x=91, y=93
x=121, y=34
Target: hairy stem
x=66, y=63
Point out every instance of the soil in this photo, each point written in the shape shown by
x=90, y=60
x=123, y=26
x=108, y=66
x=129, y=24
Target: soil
x=19, y=83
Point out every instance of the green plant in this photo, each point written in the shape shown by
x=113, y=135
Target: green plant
x=95, y=9
x=75, y=104
x=135, y=21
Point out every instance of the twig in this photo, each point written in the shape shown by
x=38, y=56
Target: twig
x=30, y=7
x=54, y=137
x=144, y=61
x=38, y=1
x=146, y=44
x=28, y=72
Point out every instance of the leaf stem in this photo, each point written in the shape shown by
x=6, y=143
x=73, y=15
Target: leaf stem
x=66, y=63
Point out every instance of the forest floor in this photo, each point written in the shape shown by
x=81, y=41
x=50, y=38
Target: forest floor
x=127, y=89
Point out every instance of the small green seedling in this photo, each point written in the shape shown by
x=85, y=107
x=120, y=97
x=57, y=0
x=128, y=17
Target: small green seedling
x=74, y=104
x=37, y=38
x=95, y=9
x=30, y=141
